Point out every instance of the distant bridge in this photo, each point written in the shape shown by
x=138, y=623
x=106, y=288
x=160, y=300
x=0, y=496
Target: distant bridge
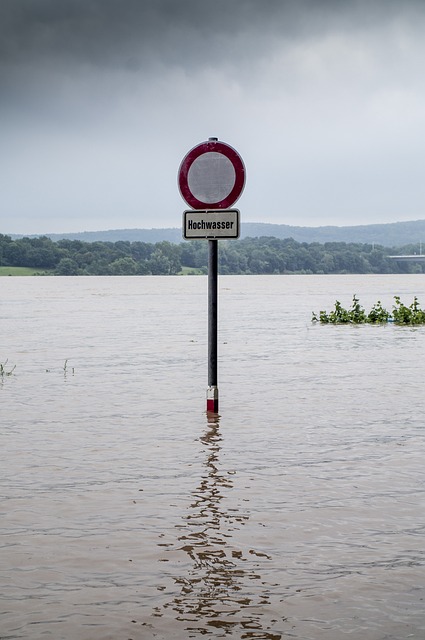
x=420, y=257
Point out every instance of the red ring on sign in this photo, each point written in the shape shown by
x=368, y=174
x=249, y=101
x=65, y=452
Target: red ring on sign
x=189, y=159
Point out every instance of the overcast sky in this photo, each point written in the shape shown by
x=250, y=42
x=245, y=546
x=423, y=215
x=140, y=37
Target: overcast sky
x=100, y=100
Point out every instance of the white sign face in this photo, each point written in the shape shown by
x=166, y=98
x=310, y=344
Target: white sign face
x=211, y=177
x=211, y=224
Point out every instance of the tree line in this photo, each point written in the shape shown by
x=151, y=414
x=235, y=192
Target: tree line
x=263, y=255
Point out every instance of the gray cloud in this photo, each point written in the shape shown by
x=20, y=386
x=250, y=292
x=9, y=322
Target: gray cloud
x=132, y=34
x=100, y=99
x=129, y=33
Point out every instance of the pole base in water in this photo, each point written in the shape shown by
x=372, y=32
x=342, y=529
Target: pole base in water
x=212, y=400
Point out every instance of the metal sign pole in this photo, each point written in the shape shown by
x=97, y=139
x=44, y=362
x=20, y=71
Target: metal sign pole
x=212, y=391
x=211, y=178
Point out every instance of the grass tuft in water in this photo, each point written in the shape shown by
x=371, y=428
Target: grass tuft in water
x=4, y=371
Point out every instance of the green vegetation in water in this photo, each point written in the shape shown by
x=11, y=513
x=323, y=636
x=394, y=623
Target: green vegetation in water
x=65, y=369
x=356, y=314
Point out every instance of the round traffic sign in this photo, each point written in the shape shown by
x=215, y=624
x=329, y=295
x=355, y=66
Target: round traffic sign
x=211, y=176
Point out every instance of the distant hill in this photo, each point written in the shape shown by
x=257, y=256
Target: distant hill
x=393, y=234
x=388, y=235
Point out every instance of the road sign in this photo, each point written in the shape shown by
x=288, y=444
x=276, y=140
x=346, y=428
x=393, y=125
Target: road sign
x=211, y=176
x=211, y=225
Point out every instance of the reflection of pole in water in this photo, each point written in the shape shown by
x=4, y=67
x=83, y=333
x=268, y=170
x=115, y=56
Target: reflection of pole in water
x=214, y=574
x=218, y=592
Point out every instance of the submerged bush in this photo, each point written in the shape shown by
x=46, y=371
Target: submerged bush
x=408, y=315
x=356, y=314
x=378, y=314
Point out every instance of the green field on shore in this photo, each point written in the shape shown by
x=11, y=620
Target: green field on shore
x=22, y=271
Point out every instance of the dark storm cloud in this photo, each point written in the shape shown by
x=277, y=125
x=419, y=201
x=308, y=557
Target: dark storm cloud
x=132, y=32
x=111, y=32
x=43, y=42
x=46, y=43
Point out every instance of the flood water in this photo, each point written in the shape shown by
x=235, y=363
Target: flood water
x=125, y=513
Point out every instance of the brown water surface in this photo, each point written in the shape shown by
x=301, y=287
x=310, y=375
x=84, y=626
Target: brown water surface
x=127, y=514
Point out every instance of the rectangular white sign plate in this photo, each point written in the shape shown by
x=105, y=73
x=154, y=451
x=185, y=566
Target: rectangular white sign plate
x=211, y=224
